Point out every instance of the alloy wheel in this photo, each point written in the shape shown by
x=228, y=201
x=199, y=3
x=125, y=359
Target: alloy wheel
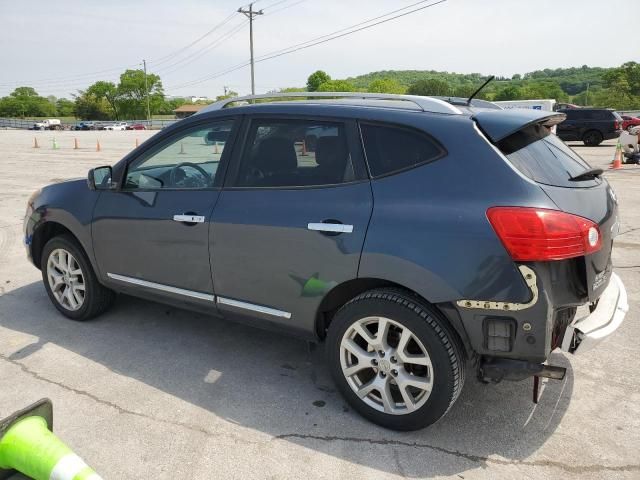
x=386, y=365
x=66, y=279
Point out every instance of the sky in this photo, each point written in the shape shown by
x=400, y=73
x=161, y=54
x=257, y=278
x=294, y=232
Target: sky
x=62, y=46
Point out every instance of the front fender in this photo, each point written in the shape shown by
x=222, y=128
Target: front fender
x=59, y=207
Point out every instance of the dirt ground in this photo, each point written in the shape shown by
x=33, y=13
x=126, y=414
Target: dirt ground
x=152, y=392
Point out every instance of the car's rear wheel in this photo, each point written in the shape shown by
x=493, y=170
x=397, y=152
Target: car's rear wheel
x=592, y=138
x=394, y=359
x=70, y=280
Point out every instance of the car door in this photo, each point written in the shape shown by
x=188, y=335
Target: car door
x=291, y=220
x=151, y=235
x=569, y=129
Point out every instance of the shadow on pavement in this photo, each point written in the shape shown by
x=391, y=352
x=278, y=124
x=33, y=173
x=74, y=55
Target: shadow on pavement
x=279, y=386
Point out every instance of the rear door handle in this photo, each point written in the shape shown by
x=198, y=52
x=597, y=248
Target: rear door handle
x=330, y=227
x=187, y=218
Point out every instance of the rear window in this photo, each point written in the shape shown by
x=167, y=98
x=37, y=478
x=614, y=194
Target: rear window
x=544, y=158
x=391, y=149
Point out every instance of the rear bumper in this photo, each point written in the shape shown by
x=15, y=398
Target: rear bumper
x=587, y=331
x=611, y=134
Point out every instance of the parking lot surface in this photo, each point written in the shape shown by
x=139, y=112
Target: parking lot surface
x=148, y=391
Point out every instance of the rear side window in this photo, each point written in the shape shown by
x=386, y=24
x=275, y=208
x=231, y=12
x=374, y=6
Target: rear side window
x=295, y=153
x=573, y=114
x=391, y=149
x=544, y=158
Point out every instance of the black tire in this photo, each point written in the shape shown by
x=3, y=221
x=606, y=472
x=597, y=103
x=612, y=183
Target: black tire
x=592, y=138
x=429, y=326
x=97, y=298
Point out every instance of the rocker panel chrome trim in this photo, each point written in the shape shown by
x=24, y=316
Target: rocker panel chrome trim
x=162, y=287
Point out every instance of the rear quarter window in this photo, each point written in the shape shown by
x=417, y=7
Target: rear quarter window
x=391, y=149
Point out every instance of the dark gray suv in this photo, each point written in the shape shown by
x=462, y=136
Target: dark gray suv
x=418, y=238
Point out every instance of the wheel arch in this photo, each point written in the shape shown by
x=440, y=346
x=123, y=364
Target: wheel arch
x=587, y=131
x=343, y=292
x=45, y=232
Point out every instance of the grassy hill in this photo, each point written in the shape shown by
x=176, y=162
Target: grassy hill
x=572, y=80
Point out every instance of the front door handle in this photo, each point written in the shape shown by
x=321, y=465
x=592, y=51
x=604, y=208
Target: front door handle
x=330, y=227
x=188, y=218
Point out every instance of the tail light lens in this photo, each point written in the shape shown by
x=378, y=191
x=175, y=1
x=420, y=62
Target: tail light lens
x=616, y=125
x=535, y=234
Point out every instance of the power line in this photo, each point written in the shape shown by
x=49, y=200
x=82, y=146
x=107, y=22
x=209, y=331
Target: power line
x=167, y=57
x=317, y=41
x=65, y=79
x=197, y=54
x=283, y=7
x=349, y=27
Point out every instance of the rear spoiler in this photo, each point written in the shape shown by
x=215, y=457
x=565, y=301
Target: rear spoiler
x=499, y=124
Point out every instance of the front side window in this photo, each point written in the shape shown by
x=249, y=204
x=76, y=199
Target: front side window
x=190, y=161
x=391, y=149
x=295, y=153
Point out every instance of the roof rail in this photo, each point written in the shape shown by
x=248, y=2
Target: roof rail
x=426, y=104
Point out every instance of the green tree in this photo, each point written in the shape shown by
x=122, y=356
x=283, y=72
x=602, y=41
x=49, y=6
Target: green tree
x=337, y=86
x=316, y=79
x=510, y=92
x=431, y=86
x=25, y=102
x=132, y=102
x=89, y=107
x=229, y=94
x=110, y=93
x=65, y=107
x=385, y=85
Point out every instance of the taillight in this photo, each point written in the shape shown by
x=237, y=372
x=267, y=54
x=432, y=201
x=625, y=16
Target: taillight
x=616, y=125
x=537, y=234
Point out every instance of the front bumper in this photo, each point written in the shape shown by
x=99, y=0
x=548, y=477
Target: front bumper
x=587, y=331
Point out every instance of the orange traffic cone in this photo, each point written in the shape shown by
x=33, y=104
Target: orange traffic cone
x=75, y=144
x=617, y=158
x=98, y=148
x=35, y=143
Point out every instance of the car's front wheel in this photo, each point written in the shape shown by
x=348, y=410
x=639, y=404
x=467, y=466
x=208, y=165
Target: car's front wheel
x=394, y=359
x=70, y=281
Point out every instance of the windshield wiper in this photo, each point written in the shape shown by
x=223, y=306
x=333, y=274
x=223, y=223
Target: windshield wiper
x=587, y=175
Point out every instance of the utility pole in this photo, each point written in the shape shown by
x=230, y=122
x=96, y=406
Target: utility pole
x=146, y=89
x=586, y=98
x=250, y=14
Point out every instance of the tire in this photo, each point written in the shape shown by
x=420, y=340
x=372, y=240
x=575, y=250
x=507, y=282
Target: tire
x=429, y=366
x=61, y=273
x=592, y=138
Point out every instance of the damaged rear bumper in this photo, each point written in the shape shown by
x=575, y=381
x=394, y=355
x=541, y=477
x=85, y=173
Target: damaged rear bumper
x=587, y=331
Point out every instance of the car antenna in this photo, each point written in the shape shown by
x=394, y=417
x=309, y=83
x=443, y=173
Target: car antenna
x=479, y=89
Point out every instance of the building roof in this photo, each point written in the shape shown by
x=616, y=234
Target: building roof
x=188, y=108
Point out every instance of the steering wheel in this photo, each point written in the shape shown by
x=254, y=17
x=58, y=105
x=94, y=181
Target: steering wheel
x=173, y=175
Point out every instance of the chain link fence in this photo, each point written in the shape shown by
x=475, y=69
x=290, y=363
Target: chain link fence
x=28, y=124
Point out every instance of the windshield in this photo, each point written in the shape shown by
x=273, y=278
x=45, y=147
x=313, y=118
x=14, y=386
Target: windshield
x=544, y=158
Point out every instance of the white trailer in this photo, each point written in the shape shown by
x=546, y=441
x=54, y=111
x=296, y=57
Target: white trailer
x=546, y=105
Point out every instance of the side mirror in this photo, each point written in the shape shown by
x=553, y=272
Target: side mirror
x=99, y=178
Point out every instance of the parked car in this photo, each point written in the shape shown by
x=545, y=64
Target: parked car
x=136, y=126
x=590, y=125
x=116, y=126
x=85, y=126
x=418, y=240
x=628, y=122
